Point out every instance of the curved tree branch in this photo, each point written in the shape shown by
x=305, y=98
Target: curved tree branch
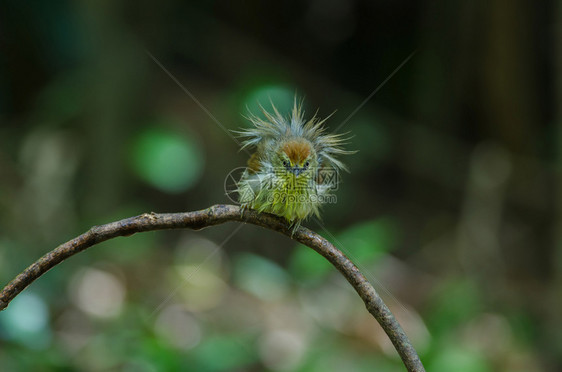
x=215, y=215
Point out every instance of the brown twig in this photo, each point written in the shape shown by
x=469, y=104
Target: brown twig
x=215, y=215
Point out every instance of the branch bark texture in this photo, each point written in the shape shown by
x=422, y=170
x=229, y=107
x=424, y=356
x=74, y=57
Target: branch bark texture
x=215, y=215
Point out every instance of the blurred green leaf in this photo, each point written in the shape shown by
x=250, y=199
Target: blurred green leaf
x=525, y=327
x=307, y=265
x=260, y=277
x=345, y=359
x=363, y=243
x=454, y=303
x=166, y=160
x=372, y=138
x=159, y=354
x=282, y=96
x=225, y=353
x=26, y=321
x=367, y=241
x=458, y=360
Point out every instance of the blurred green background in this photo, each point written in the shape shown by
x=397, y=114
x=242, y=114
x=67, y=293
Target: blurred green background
x=453, y=207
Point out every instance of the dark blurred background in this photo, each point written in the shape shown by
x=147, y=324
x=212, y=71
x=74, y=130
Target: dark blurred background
x=453, y=207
